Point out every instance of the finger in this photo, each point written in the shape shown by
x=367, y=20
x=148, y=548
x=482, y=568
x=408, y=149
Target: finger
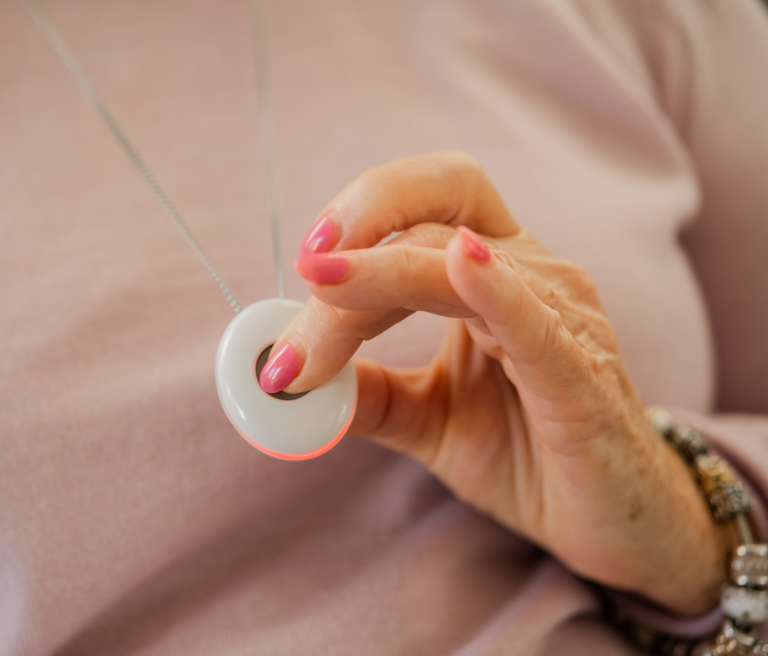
x=321, y=339
x=443, y=188
x=397, y=276
x=403, y=276
x=548, y=366
x=363, y=293
x=448, y=188
x=428, y=412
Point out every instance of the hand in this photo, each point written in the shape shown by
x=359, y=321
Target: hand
x=527, y=412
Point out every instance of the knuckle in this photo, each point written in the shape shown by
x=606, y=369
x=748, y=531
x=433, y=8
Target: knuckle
x=464, y=173
x=581, y=283
x=551, y=339
x=464, y=162
x=408, y=265
x=329, y=319
x=370, y=178
x=552, y=335
x=505, y=258
x=552, y=298
x=428, y=235
x=582, y=277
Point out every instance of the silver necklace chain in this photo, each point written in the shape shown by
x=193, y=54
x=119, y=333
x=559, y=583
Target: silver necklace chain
x=267, y=133
x=267, y=122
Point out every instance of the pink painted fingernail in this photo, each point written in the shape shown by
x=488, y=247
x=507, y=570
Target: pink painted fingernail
x=318, y=239
x=473, y=246
x=322, y=268
x=280, y=369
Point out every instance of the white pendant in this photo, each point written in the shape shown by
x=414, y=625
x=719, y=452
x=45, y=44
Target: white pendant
x=287, y=428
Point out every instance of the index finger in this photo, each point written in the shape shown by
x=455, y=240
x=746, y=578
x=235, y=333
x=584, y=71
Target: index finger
x=449, y=188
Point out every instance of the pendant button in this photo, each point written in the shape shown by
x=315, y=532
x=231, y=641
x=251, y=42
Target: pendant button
x=286, y=426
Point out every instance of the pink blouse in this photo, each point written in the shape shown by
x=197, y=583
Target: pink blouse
x=631, y=137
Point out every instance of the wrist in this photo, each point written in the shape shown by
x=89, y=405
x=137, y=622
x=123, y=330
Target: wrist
x=690, y=554
x=744, y=596
x=655, y=535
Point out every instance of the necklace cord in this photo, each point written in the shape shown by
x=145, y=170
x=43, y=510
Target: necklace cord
x=66, y=55
x=267, y=123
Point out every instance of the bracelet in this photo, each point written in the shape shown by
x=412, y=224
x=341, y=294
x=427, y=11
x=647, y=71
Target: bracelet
x=744, y=598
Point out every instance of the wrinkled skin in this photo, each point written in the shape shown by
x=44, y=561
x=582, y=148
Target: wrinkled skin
x=527, y=412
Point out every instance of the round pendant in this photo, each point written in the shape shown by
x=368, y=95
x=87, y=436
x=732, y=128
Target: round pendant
x=291, y=427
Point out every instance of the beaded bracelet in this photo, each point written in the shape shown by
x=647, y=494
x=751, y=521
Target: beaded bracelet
x=744, y=599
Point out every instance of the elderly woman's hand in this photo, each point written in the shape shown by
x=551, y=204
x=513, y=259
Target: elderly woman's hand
x=527, y=412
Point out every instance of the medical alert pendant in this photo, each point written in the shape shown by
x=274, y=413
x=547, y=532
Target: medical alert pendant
x=291, y=427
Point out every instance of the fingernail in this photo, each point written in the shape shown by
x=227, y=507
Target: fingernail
x=473, y=246
x=280, y=369
x=323, y=268
x=318, y=239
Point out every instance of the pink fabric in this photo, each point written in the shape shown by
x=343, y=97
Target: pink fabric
x=133, y=519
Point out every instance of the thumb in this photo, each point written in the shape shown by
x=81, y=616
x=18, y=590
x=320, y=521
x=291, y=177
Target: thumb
x=548, y=366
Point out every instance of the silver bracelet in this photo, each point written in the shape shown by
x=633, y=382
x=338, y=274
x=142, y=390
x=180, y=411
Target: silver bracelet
x=744, y=598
